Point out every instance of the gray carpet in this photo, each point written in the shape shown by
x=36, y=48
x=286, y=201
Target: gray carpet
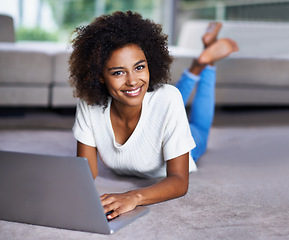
x=239, y=192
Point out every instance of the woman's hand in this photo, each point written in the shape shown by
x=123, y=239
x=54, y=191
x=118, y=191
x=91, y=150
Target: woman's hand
x=120, y=203
x=172, y=186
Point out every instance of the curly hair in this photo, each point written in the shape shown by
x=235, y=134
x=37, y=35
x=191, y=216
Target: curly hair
x=94, y=44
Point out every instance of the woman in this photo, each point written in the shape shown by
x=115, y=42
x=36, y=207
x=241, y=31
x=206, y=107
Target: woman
x=127, y=113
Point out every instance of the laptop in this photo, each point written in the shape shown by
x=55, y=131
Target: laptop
x=56, y=192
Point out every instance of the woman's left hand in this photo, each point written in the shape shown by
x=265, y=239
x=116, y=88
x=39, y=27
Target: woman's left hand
x=119, y=203
x=174, y=185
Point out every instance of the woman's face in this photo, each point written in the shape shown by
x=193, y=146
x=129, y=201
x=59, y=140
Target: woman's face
x=126, y=75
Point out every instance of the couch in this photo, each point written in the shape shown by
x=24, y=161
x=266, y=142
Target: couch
x=256, y=75
x=32, y=74
x=27, y=76
x=35, y=74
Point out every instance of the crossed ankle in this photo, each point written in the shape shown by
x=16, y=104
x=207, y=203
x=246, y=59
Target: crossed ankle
x=196, y=67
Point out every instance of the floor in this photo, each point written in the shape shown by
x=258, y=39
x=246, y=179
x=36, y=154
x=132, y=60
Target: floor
x=239, y=192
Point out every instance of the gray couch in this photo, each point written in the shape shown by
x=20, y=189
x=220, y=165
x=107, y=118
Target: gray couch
x=36, y=73
x=28, y=74
x=32, y=74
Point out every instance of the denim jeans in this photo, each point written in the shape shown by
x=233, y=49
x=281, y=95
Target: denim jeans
x=203, y=106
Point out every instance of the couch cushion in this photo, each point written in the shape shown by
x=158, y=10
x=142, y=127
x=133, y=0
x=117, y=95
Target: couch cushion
x=62, y=96
x=61, y=67
x=250, y=96
x=254, y=72
x=24, y=95
x=19, y=64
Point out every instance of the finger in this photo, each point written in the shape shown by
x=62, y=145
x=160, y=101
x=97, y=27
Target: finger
x=115, y=213
x=111, y=207
x=108, y=200
x=104, y=196
x=108, y=209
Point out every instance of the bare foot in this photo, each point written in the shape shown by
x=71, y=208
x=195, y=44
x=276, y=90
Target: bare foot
x=211, y=34
x=218, y=50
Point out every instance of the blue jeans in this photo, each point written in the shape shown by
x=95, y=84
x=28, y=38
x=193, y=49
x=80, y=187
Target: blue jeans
x=203, y=106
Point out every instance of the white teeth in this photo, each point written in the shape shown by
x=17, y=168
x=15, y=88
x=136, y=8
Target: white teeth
x=132, y=92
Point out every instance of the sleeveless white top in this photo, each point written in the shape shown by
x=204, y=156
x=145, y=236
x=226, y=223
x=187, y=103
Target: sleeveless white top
x=162, y=133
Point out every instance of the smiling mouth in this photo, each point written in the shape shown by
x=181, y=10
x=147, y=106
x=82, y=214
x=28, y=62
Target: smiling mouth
x=134, y=92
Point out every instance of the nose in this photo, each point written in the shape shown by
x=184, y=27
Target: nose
x=131, y=79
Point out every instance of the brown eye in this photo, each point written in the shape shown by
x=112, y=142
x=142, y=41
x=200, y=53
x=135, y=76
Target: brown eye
x=140, y=67
x=117, y=73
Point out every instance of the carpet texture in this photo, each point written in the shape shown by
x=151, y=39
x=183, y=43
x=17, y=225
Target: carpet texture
x=239, y=192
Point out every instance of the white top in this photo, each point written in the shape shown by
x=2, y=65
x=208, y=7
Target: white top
x=161, y=134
